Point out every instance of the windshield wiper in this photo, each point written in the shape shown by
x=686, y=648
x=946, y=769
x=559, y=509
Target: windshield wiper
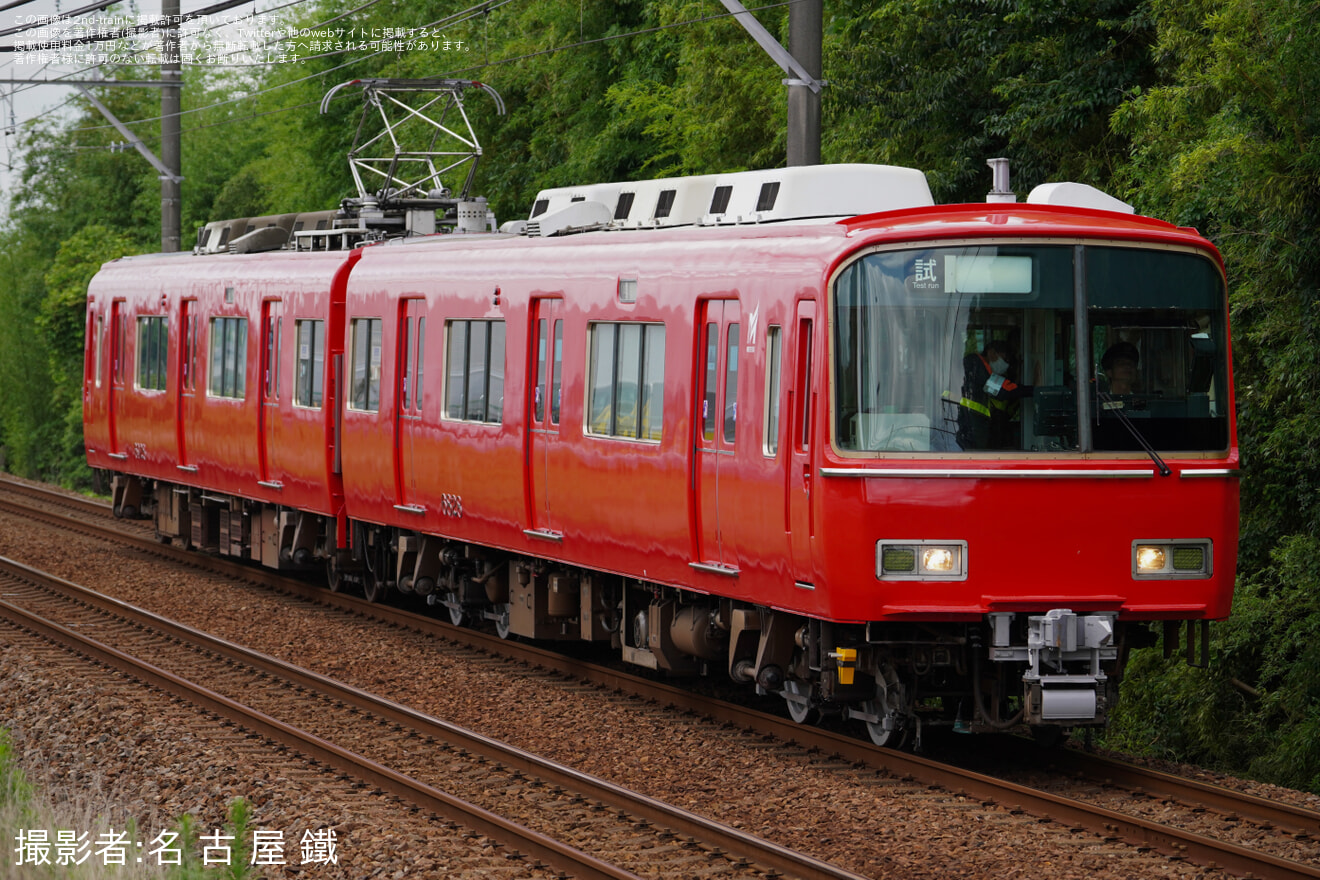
x=1132, y=429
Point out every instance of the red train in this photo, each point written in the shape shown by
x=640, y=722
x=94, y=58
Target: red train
x=916, y=464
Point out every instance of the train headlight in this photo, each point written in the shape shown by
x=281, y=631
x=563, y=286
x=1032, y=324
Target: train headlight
x=1151, y=559
x=1171, y=559
x=939, y=560
x=921, y=560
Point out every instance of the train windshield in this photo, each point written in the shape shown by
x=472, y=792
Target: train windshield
x=977, y=349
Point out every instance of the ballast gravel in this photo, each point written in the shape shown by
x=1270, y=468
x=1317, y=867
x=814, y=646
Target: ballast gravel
x=153, y=763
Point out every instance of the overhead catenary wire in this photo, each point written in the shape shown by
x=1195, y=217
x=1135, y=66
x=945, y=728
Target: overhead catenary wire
x=456, y=17
x=45, y=20
x=85, y=69
x=9, y=57
x=121, y=33
x=465, y=70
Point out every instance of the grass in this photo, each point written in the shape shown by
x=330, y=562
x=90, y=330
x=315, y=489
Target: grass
x=28, y=813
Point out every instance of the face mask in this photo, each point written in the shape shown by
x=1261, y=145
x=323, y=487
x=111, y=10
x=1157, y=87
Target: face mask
x=999, y=366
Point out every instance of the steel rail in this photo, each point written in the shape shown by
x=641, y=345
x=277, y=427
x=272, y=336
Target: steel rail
x=87, y=505
x=1160, y=784
x=732, y=840
x=546, y=849
x=1134, y=830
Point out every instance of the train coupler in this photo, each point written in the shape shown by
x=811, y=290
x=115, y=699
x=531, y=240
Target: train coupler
x=1068, y=700
x=1065, y=656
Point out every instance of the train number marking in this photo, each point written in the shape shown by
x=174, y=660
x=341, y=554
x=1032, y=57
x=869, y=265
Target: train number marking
x=451, y=505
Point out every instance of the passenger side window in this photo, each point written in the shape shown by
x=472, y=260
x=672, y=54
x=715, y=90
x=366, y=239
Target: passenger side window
x=626, y=377
x=311, y=363
x=474, y=371
x=152, y=352
x=365, y=394
x=228, y=358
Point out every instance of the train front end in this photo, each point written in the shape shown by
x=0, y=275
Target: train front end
x=1032, y=461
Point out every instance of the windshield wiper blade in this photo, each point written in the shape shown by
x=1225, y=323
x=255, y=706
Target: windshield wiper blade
x=1132, y=429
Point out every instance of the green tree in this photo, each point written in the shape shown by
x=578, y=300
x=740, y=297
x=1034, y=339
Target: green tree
x=1230, y=142
x=59, y=324
x=708, y=98
x=29, y=430
x=943, y=85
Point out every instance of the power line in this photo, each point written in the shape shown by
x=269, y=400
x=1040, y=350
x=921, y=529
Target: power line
x=267, y=11
x=15, y=5
x=45, y=20
x=319, y=24
x=481, y=8
x=136, y=29
x=450, y=19
x=16, y=91
x=455, y=18
x=658, y=28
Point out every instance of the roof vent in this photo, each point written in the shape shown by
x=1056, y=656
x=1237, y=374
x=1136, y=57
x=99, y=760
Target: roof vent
x=719, y=203
x=625, y=205
x=214, y=238
x=548, y=201
x=267, y=238
x=672, y=201
x=815, y=191
x=576, y=216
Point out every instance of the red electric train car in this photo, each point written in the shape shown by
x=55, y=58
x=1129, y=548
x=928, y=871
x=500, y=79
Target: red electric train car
x=915, y=464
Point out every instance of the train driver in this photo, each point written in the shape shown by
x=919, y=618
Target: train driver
x=989, y=400
x=1120, y=362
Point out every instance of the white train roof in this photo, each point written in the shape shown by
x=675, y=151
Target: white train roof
x=815, y=192
x=779, y=194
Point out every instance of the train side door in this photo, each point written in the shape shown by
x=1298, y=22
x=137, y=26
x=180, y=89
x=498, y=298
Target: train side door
x=185, y=408
x=545, y=365
x=272, y=323
x=715, y=423
x=803, y=403
x=118, y=351
x=408, y=397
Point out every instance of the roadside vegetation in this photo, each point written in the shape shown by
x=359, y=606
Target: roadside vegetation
x=1205, y=113
x=46, y=840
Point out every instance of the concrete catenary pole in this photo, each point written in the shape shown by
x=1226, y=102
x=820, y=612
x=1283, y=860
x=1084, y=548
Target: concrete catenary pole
x=805, y=35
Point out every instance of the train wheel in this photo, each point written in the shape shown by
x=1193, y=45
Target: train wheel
x=891, y=708
x=502, y=621
x=457, y=616
x=797, y=697
x=334, y=573
x=377, y=559
x=373, y=587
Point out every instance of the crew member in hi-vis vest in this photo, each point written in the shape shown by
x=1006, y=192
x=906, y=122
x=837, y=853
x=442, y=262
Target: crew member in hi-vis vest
x=988, y=406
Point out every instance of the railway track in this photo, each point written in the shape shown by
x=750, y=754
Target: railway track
x=584, y=826
x=1204, y=825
